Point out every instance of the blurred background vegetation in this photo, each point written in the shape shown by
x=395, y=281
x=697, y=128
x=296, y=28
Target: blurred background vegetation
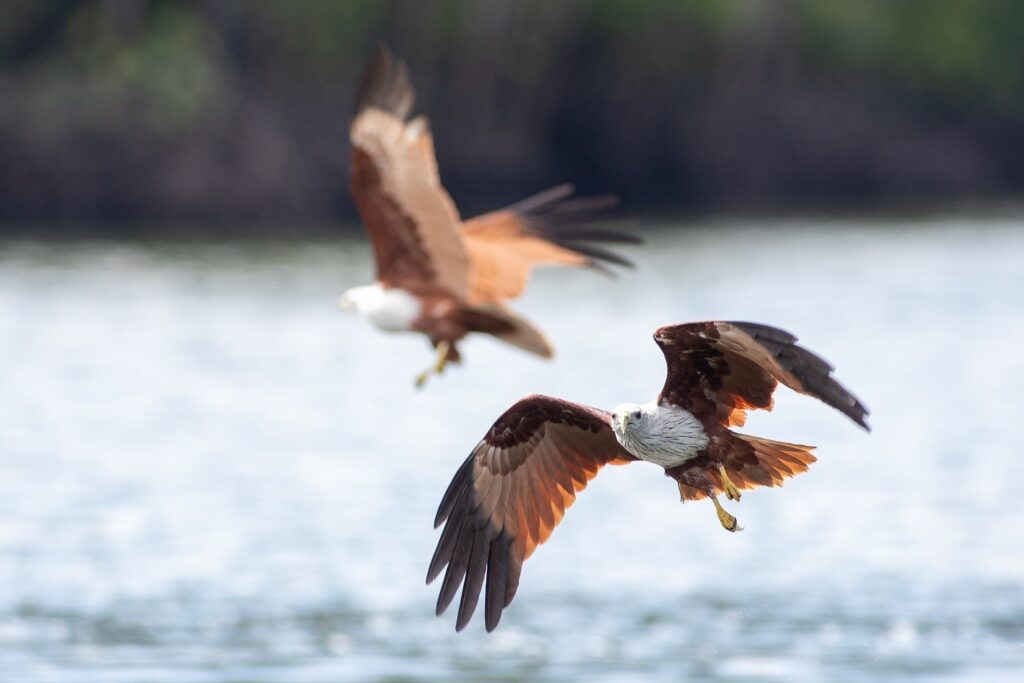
x=129, y=116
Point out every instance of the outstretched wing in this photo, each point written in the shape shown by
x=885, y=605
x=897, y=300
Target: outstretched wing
x=510, y=493
x=412, y=221
x=723, y=369
x=548, y=229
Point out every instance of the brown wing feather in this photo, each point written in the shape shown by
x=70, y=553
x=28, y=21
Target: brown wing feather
x=412, y=221
x=509, y=495
x=719, y=370
x=504, y=246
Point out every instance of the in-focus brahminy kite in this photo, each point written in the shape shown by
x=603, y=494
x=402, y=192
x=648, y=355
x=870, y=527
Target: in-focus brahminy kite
x=514, y=487
x=436, y=274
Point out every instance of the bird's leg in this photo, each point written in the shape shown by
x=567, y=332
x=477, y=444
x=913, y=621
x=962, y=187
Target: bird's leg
x=437, y=367
x=442, y=356
x=728, y=522
x=731, y=492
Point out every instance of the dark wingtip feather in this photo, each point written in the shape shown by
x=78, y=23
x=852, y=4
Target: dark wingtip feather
x=570, y=234
x=385, y=84
x=813, y=371
x=557, y=206
x=559, y=218
x=597, y=255
x=578, y=206
x=456, y=487
x=548, y=197
x=473, y=584
x=458, y=564
x=763, y=331
x=497, y=581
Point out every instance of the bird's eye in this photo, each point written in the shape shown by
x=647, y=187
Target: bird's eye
x=635, y=415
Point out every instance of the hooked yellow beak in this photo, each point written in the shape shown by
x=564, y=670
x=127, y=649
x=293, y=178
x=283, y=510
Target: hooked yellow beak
x=624, y=421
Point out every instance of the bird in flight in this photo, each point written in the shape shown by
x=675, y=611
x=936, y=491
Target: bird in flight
x=437, y=274
x=515, y=486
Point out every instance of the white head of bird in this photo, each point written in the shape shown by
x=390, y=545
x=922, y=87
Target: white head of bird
x=663, y=434
x=392, y=309
x=624, y=416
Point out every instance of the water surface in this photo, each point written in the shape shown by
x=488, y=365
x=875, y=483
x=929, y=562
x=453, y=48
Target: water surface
x=210, y=474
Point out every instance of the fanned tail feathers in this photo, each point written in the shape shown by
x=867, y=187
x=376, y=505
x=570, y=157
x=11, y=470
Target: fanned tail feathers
x=776, y=461
x=757, y=462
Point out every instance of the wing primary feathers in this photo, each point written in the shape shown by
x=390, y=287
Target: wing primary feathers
x=721, y=369
x=454, y=491
x=573, y=233
x=810, y=369
x=504, y=246
x=550, y=216
x=760, y=331
x=549, y=196
x=513, y=492
x=515, y=566
x=385, y=85
x=457, y=565
x=553, y=215
x=444, y=550
x=780, y=342
x=571, y=208
x=595, y=254
x=474, y=581
x=497, y=581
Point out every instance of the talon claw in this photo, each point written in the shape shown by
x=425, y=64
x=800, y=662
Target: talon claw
x=728, y=521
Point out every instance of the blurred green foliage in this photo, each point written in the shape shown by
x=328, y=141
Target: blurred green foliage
x=969, y=48
x=167, y=91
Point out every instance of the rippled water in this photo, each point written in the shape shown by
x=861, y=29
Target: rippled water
x=210, y=474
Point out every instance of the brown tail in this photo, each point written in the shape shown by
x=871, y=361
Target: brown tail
x=509, y=327
x=775, y=462
x=756, y=462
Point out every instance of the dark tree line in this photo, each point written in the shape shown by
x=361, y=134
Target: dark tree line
x=148, y=112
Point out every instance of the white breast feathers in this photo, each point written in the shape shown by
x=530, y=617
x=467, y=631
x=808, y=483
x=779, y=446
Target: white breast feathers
x=663, y=434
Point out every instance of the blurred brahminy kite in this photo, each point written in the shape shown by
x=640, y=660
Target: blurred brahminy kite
x=436, y=274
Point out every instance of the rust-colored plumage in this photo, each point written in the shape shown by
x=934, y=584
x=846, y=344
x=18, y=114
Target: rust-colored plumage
x=463, y=272
x=516, y=484
x=720, y=370
x=509, y=495
x=724, y=369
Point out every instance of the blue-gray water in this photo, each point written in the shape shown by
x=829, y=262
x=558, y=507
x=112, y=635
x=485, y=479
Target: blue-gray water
x=209, y=473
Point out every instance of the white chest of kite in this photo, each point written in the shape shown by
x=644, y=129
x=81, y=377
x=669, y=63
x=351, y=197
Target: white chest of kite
x=665, y=435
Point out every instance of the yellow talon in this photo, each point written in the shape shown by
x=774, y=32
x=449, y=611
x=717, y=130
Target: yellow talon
x=728, y=521
x=731, y=492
